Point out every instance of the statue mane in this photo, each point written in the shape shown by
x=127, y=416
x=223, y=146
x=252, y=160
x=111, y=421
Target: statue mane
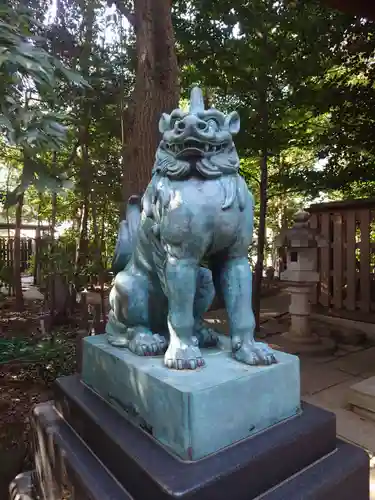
x=197, y=142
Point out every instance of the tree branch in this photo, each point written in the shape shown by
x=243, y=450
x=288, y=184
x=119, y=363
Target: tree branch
x=125, y=11
x=72, y=155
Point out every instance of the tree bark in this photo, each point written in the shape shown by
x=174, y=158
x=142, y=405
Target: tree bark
x=156, y=90
x=258, y=275
x=37, y=263
x=52, y=280
x=20, y=306
x=84, y=139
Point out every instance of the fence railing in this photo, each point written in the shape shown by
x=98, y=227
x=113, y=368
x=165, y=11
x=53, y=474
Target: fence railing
x=7, y=252
x=347, y=264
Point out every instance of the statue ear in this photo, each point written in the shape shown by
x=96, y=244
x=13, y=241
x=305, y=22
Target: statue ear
x=232, y=122
x=164, y=123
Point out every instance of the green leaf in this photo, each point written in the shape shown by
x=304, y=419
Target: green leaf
x=5, y=122
x=12, y=197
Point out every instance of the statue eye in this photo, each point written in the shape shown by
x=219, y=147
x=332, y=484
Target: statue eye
x=213, y=124
x=172, y=123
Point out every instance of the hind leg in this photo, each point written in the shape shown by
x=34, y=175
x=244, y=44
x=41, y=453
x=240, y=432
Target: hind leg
x=204, y=296
x=128, y=321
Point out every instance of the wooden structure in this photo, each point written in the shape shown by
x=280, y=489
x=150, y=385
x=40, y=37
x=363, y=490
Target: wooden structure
x=347, y=265
x=29, y=246
x=7, y=252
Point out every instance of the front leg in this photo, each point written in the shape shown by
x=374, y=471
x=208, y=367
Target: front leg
x=181, y=278
x=236, y=285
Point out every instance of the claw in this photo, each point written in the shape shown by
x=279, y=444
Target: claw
x=206, y=336
x=253, y=353
x=200, y=362
x=183, y=356
x=147, y=344
x=192, y=364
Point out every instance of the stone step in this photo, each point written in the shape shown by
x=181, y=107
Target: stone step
x=149, y=472
x=65, y=464
x=361, y=398
x=342, y=475
x=21, y=488
x=144, y=390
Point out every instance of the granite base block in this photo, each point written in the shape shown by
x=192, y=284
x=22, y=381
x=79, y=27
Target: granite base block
x=65, y=465
x=342, y=475
x=21, y=488
x=193, y=413
x=149, y=472
x=89, y=446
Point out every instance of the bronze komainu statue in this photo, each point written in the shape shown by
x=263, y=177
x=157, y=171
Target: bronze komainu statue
x=188, y=236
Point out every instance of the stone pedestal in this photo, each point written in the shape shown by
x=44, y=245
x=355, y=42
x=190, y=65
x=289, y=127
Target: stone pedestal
x=302, y=242
x=194, y=413
x=130, y=443
x=300, y=336
x=361, y=398
x=89, y=447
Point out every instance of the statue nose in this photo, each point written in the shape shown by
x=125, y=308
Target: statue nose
x=190, y=124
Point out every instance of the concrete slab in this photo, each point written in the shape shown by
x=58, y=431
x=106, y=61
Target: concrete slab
x=355, y=429
x=350, y=426
x=333, y=397
x=362, y=395
x=194, y=413
x=317, y=377
x=361, y=363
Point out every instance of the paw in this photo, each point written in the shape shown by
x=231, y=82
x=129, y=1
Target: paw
x=253, y=353
x=146, y=343
x=183, y=357
x=116, y=333
x=117, y=340
x=205, y=335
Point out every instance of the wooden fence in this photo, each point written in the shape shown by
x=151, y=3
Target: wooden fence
x=347, y=264
x=7, y=252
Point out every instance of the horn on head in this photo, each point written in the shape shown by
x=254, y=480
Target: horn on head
x=196, y=100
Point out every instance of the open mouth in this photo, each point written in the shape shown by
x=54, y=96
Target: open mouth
x=195, y=147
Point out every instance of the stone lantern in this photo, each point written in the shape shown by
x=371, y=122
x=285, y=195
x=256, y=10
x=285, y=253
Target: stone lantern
x=301, y=243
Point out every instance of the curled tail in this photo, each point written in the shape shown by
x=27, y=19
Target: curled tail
x=127, y=234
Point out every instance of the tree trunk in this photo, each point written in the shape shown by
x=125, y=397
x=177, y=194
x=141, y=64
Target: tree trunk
x=52, y=250
x=258, y=275
x=83, y=243
x=37, y=258
x=156, y=89
x=53, y=216
x=97, y=243
x=20, y=306
x=84, y=138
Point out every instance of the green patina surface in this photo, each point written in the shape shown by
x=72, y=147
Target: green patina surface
x=196, y=208
x=194, y=413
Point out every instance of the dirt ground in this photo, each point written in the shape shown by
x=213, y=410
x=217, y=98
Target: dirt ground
x=25, y=382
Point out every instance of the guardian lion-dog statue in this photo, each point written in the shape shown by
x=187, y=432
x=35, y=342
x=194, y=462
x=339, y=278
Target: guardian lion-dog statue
x=186, y=238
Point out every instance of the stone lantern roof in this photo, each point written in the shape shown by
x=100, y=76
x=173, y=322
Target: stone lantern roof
x=300, y=235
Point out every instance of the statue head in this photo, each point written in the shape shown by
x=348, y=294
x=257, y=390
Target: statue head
x=197, y=141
